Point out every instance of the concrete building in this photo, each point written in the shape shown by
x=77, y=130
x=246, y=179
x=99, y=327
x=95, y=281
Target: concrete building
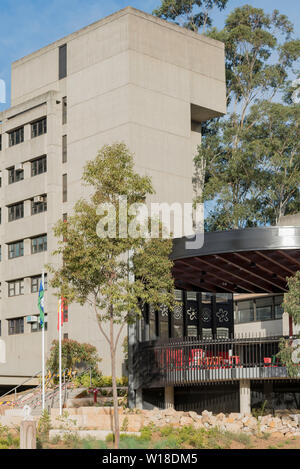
x=129, y=77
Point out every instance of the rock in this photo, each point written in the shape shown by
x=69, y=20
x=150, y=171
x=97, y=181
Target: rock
x=220, y=416
x=193, y=416
x=185, y=421
x=170, y=411
x=235, y=416
x=205, y=413
x=233, y=427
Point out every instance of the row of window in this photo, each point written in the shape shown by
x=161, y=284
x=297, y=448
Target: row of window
x=38, y=166
x=16, y=325
x=258, y=309
x=38, y=205
x=38, y=244
x=38, y=128
x=16, y=287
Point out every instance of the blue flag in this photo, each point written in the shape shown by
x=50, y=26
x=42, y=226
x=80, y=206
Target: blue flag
x=41, y=304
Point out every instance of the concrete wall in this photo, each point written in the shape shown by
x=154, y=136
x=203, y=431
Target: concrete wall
x=132, y=78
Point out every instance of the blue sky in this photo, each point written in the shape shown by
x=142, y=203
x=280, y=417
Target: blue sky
x=26, y=26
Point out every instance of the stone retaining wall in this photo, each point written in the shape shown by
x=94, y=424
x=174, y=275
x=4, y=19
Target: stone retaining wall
x=101, y=418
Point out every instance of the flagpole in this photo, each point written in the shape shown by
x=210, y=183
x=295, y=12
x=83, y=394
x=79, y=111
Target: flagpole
x=43, y=352
x=60, y=377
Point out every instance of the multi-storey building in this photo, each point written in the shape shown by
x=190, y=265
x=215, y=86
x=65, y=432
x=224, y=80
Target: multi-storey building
x=129, y=77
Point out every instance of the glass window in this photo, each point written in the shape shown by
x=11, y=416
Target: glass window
x=62, y=63
x=264, y=308
x=40, y=206
x=39, y=166
x=15, y=175
x=245, y=311
x=16, y=250
x=16, y=211
x=36, y=327
x=278, y=306
x=16, y=136
x=16, y=288
x=64, y=110
x=65, y=188
x=39, y=127
x=39, y=244
x=15, y=326
x=35, y=283
x=64, y=149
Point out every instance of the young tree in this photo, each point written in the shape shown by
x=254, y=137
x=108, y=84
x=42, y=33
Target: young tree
x=191, y=14
x=95, y=269
x=227, y=157
x=289, y=354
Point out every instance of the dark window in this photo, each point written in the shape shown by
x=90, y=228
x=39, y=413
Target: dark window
x=264, y=308
x=278, y=306
x=16, y=250
x=39, y=204
x=62, y=72
x=65, y=311
x=16, y=211
x=0, y=142
x=0, y=253
x=16, y=136
x=16, y=326
x=39, y=127
x=64, y=149
x=16, y=288
x=15, y=175
x=35, y=283
x=65, y=188
x=39, y=244
x=245, y=312
x=36, y=327
x=64, y=110
x=66, y=336
x=39, y=166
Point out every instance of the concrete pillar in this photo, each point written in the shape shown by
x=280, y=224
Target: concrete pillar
x=169, y=397
x=245, y=396
x=28, y=434
x=139, y=398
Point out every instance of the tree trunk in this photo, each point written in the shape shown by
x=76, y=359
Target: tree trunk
x=114, y=382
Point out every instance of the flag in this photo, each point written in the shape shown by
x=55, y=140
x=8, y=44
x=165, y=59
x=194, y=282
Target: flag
x=41, y=304
x=60, y=312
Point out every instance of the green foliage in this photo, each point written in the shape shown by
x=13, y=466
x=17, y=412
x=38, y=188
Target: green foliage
x=285, y=355
x=191, y=14
x=249, y=161
x=73, y=354
x=292, y=298
x=292, y=307
x=44, y=427
x=7, y=439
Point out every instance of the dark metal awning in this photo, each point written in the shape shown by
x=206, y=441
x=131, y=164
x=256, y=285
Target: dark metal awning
x=254, y=260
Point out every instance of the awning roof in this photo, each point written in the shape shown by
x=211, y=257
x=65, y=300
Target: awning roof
x=255, y=260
